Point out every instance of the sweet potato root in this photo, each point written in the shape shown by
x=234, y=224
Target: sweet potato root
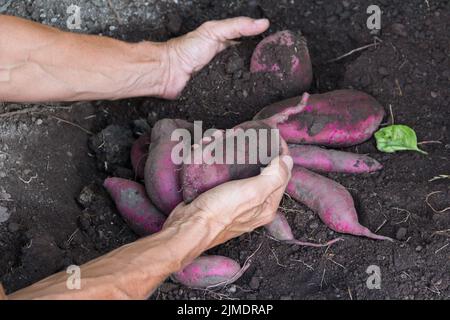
x=337, y=118
x=134, y=206
x=280, y=230
x=285, y=55
x=161, y=173
x=139, y=153
x=326, y=160
x=330, y=200
x=209, y=271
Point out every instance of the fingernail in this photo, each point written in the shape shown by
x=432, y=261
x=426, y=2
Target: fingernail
x=288, y=161
x=261, y=22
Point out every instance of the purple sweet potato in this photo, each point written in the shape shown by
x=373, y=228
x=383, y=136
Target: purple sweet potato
x=209, y=271
x=134, y=206
x=326, y=160
x=280, y=230
x=337, y=118
x=161, y=173
x=197, y=178
x=284, y=55
x=139, y=153
x=330, y=200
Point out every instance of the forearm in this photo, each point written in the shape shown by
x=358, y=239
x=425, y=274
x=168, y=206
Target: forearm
x=133, y=271
x=40, y=63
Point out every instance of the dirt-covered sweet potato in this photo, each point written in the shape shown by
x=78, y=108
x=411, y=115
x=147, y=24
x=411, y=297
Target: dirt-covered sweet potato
x=280, y=230
x=134, y=206
x=209, y=271
x=326, y=160
x=284, y=55
x=336, y=118
x=161, y=174
x=330, y=200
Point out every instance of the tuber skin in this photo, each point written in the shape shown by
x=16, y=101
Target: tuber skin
x=338, y=118
x=284, y=55
x=139, y=154
x=161, y=176
x=134, y=206
x=330, y=200
x=326, y=160
x=198, y=178
x=209, y=271
x=280, y=230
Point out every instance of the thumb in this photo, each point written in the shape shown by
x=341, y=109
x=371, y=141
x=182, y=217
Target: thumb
x=273, y=177
x=229, y=29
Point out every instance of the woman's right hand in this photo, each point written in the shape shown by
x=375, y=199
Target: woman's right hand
x=239, y=206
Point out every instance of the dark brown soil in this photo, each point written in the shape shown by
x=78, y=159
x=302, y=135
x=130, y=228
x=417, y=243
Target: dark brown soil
x=46, y=164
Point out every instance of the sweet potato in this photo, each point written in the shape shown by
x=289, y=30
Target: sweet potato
x=161, y=173
x=134, y=206
x=285, y=55
x=280, y=230
x=337, y=118
x=326, y=160
x=330, y=200
x=197, y=178
x=209, y=271
x=139, y=153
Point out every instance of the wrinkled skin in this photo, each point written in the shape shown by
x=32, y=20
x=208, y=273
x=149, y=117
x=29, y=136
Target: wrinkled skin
x=338, y=118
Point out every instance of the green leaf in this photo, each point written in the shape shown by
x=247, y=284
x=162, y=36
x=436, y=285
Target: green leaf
x=396, y=138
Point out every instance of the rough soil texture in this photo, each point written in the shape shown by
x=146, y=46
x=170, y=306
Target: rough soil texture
x=54, y=212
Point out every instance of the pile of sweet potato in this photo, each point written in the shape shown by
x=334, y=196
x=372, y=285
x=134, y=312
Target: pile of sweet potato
x=335, y=119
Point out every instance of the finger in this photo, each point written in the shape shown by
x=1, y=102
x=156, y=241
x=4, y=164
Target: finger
x=229, y=29
x=272, y=178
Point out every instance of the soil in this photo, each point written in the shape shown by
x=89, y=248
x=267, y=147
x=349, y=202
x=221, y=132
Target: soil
x=54, y=212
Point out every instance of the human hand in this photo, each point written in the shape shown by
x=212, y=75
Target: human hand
x=188, y=54
x=239, y=206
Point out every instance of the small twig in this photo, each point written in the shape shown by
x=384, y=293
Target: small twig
x=381, y=226
x=392, y=114
x=429, y=204
x=276, y=258
x=441, y=176
x=29, y=180
x=352, y=52
x=337, y=263
x=350, y=293
x=400, y=92
x=19, y=112
x=408, y=214
x=429, y=142
x=442, y=231
x=72, y=236
x=73, y=124
x=441, y=248
x=304, y=263
x=323, y=278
